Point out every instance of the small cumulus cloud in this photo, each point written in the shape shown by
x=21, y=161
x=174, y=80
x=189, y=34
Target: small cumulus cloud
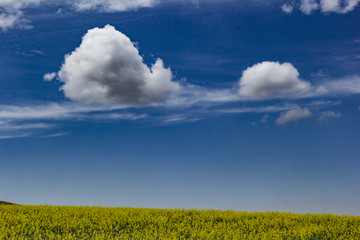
x=324, y=116
x=49, y=76
x=271, y=79
x=107, y=68
x=287, y=8
x=308, y=6
x=293, y=115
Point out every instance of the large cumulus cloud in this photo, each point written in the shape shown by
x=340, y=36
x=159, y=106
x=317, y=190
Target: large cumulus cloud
x=271, y=79
x=107, y=68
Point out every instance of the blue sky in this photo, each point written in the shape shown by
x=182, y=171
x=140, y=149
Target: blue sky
x=244, y=105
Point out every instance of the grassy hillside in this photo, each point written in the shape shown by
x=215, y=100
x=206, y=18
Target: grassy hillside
x=48, y=222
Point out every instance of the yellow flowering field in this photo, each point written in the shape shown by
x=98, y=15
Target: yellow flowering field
x=50, y=222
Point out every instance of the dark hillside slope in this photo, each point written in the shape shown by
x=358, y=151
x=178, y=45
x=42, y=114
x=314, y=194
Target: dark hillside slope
x=6, y=203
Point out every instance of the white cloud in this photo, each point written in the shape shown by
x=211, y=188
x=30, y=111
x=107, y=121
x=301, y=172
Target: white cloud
x=11, y=15
x=116, y=116
x=258, y=109
x=287, y=8
x=111, y=5
x=338, y=6
x=14, y=136
x=49, y=111
x=329, y=114
x=57, y=111
x=293, y=115
x=107, y=68
x=49, y=76
x=61, y=134
x=15, y=5
x=14, y=120
x=9, y=126
x=350, y=5
x=271, y=79
x=179, y=118
x=11, y=11
x=308, y=6
x=345, y=85
x=328, y=6
x=11, y=20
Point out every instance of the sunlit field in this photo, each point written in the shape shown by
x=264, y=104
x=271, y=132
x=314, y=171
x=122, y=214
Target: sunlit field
x=50, y=222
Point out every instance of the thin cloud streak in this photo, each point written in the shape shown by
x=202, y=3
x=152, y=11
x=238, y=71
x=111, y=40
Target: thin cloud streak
x=27, y=126
x=16, y=119
x=61, y=134
x=51, y=111
x=14, y=136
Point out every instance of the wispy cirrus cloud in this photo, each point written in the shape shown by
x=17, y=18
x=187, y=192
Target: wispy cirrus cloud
x=62, y=111
x=111, y=5
x=12, y=11
x=9, y=20
x=344, y=85
x=23, y=120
